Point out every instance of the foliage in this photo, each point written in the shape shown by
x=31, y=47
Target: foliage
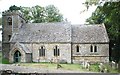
x=0, y=21
x=0, y=57
x=52, y=14
x=110, y=69
x=14, y=8
x=109, y=14
x=94, y=67
x=38, y=14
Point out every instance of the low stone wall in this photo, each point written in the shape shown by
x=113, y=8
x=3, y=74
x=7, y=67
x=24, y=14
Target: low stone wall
x=91, y=59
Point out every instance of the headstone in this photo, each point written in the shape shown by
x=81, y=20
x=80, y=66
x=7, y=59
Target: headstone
x=101, y=67
x=85, y=65
x=113, y=65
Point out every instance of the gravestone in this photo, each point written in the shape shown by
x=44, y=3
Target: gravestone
x=101, y=67
x=113, y=65
x=85, y=65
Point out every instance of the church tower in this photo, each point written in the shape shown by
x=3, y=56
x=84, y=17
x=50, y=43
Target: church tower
x=11, y=22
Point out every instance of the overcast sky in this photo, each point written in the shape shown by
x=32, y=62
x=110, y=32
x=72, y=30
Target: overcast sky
x=71, y=9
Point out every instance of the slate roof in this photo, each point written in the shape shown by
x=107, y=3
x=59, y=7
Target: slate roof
x=61, y=32
x=23, y=47
x=89, y=34
x=43, y=32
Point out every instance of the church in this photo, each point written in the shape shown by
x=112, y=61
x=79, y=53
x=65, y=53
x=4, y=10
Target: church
x=45, y=42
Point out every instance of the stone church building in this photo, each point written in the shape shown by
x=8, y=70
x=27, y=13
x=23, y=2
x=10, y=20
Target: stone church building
x=45, y=42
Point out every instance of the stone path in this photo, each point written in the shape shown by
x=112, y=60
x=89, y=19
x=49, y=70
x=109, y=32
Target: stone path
x=23, y=69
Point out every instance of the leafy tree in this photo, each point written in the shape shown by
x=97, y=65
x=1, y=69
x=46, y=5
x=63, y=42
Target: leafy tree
x=52, y=14
x=26, y=13
x=38, y=14
x=109, y=14
x=14, y=8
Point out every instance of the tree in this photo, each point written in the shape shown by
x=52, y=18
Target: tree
x=109, y=14
x=26, y=13
x=52, y=14
x=14, y=8
x=38, y=14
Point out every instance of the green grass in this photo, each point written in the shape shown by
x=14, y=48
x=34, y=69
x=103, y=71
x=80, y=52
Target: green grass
x=110, y=69
x=3, y=61
x=94, y=68
x=72, y=67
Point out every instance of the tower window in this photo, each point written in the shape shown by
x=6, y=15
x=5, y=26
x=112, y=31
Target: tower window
x=77, y=48
x=56, y=51
x=9, y=37
x=42, y=51
x=9, y=21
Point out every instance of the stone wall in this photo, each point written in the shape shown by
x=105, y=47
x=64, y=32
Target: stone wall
x=12, y=52
x=28, y=57
x=65, y=52
x=5, y=50
x=102, y=54
x=8, y=30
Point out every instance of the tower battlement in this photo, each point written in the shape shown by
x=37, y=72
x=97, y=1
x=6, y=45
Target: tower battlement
x=14, y=12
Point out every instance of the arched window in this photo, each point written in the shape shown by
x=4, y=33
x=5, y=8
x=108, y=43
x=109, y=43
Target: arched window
x=42, y=51
x=91, y=48
x=56, y=51
x=9, y=21
x=95, y=48
x=17, y=56
x=77, y=48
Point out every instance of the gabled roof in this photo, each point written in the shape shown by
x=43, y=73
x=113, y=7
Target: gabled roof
x=43, y=32
x=21, y=47
x=89, y=34
x=61, y=32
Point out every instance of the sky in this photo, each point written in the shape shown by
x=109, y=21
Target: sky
x=71, y=9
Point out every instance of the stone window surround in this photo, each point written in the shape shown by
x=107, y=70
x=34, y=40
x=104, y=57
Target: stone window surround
x=77, y=48
x=9, y=20
x=93, y=48
x=42, y=51
x=56, y=51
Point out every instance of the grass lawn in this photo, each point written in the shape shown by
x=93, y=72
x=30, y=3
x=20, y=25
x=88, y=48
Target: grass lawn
x=72, y=67
x=4, y=61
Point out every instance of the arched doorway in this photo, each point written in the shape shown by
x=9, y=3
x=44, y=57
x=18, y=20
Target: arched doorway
x=17, y=56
